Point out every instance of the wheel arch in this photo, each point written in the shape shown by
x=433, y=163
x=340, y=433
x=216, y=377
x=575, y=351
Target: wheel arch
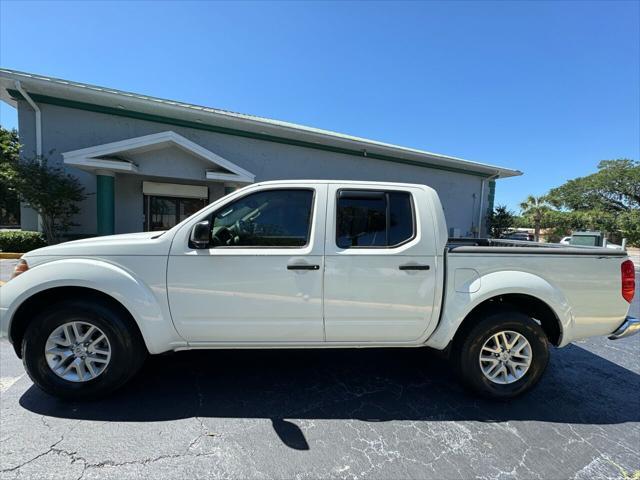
x=146, y=305
x=529, y=305
x=34, y=304
x=522, y=291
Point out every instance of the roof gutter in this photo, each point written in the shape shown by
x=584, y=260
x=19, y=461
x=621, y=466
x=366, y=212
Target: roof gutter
x=481, y=212
x=38, y=118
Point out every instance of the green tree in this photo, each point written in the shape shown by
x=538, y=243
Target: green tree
x=615, y=187
x=628, y=224
x=500, y=220
x=608, y=200
x=535, y=210
x=559, y=224
x=9, y=200
x=48, y=189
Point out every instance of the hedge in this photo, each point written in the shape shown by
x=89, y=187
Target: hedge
x=20, y=242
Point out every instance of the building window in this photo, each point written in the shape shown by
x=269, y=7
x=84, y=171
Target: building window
x=374, y=219
x=162, y=213
x=271, y=218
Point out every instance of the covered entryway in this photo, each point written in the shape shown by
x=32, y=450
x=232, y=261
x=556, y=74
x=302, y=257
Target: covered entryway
x=170, y=176
x=166, y=204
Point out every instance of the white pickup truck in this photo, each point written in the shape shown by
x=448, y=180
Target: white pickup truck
x=310, y=264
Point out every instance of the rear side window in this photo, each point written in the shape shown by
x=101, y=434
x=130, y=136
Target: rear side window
x=374, y=219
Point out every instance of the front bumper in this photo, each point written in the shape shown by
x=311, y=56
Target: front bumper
x=4, y=323
x=629, y=327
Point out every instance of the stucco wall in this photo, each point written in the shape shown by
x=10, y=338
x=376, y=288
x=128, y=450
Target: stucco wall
x=66, y=129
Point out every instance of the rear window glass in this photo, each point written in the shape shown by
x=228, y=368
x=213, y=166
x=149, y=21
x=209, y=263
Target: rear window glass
x=370, y=219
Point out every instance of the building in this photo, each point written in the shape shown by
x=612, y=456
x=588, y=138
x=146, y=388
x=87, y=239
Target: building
x=152, y=162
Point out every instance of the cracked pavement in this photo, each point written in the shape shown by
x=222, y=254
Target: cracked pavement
x=394, y=413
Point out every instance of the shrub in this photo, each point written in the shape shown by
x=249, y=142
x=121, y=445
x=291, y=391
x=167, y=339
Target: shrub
x=20, y=242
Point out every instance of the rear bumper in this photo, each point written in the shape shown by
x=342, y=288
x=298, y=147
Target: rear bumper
x=629, y=327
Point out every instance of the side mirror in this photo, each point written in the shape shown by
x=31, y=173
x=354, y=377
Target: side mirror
x=200, y=235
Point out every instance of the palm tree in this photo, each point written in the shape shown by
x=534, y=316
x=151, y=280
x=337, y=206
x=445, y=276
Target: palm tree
x=535, y=208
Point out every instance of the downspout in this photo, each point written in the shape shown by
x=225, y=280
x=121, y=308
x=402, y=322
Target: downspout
x=481, y=212
x=35, y=107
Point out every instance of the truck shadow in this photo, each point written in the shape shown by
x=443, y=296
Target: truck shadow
x=374, y=385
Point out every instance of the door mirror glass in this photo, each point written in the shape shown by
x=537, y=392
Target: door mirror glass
x=200, y=235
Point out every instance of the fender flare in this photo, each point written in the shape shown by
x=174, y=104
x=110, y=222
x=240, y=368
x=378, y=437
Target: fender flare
x=150, y=314
x=458, y=305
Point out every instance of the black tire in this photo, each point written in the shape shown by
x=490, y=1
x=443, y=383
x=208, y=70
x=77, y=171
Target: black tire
x=128, y=351
x=466, y=353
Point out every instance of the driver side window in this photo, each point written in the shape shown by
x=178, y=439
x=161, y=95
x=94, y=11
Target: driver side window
x=271, y=218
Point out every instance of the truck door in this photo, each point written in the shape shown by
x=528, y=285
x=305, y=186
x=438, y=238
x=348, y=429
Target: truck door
x=261, y=278
x=380, y=280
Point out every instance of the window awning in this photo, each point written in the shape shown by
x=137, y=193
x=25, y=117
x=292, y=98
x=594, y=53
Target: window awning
x=174, y=190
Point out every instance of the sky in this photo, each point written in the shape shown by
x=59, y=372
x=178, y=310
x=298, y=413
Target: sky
x=549, y=88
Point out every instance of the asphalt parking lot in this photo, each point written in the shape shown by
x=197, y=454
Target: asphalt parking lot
x=330, y=413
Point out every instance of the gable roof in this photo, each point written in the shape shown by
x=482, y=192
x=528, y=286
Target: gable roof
x=94, y=157
x=117, y=102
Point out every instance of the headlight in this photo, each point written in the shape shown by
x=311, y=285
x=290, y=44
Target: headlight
x=21, y=267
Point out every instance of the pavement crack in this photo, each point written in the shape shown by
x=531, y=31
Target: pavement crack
x=74, y=458
x=17, y=467
x=204, y=432
x=145, y=461
x=44, y=422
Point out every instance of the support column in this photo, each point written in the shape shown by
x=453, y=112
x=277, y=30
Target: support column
x=105, y=201
x=492, y=196
x=487, y=214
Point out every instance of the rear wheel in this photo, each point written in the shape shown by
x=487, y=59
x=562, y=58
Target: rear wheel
x=81, y=349
x=503, y=355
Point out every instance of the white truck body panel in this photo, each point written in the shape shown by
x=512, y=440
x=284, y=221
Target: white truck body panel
x=182, y=297
x=584, y=292
x=142, y=293
x=247, y=294
x=366, y=297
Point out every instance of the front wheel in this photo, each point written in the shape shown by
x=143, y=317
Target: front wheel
x=81, y=349
x=503, y=355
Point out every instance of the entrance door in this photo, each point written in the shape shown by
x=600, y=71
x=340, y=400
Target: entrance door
x=380, y=281
x=261, y=278
x=162, y=213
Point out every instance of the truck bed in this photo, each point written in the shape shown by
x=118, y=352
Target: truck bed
x=504, y=246
x=581, y=284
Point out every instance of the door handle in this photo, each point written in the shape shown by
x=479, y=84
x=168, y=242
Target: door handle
x=414, y=267
x=303, y=266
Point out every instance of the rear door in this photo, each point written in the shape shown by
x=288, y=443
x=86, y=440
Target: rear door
x=380, y=264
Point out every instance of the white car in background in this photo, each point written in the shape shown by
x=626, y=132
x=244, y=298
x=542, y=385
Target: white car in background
x=310, y=264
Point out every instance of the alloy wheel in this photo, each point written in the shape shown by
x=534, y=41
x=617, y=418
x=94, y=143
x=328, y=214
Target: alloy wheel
x=505, y=357
x=77, y=351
